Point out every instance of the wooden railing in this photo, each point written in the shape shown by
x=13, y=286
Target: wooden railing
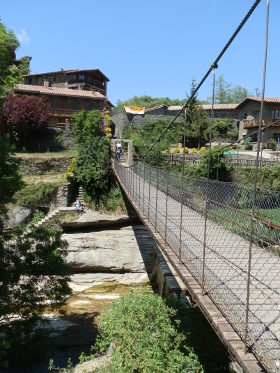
x=251, y=123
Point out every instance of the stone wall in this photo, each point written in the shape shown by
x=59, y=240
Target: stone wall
x=122, y=119
x=39, y=166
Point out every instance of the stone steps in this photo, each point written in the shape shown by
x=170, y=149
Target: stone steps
x=50, y=216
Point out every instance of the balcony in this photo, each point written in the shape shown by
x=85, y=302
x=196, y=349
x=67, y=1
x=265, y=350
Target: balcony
x=253, y=123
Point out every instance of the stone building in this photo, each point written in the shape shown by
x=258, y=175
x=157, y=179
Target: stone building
x=90, y=80
x=68, y=91
x=64, y=101
x=249, y=111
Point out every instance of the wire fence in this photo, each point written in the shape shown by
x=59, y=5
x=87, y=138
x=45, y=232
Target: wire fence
x=209, y=225
x=239, y=160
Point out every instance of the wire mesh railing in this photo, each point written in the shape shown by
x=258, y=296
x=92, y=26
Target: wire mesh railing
x=212, y=236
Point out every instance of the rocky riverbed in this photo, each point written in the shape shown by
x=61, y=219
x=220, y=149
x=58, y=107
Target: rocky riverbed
x=107, y=260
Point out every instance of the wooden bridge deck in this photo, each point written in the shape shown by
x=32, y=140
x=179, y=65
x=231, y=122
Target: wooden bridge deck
x=226, y=268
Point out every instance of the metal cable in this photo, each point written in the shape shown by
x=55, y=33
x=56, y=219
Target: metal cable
x=214, y=65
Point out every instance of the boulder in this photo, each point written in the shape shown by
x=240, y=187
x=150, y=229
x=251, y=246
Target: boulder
x=16, y=215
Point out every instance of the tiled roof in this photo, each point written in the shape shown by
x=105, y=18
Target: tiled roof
x=58, y=91
x=208, y=107
x=175, y=107
x=70, y=71
x=219, y=106
x=155, y=108
x=269, y=100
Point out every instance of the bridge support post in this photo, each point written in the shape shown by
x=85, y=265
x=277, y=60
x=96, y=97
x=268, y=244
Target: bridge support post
x=149, y=192
x=156, y=203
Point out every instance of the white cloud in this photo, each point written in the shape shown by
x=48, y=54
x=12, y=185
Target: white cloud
x=22, y=37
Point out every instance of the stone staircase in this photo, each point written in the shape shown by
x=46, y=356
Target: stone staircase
x=50, y=216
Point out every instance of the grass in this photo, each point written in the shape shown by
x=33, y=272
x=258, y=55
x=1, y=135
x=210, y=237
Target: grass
x=58, y=177
x=272, y=215
x=68, y=216
x=60, y=154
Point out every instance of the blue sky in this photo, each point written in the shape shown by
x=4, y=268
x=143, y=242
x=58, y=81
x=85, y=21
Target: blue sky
x=147, y=47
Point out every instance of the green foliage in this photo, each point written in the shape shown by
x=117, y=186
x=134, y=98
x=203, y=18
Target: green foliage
x=224, y=92
x=269, y=177
x=10, y=73
x=223, y=128
x=144, y=331
x=112, y=201
x=32, y=273
x=10, y=180
x=37, y=216
x=93, y=170
x=33, y=195
x=86, y=124
x=248, y=143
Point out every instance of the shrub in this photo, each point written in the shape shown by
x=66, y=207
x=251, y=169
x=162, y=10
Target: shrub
x=36, y=194
x=24, y=116
x=248, y=143
x=93, y=170
x=176, y=150
x=186, y=149
x=203, y=150
x=144, y=331
x=193, y=151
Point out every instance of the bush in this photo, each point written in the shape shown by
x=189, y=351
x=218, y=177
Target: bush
x=176, y=150
x=186, y=149
x=144, y=330
x=93, y=169
x=203, y=150
x=248, y=143
x=36, y=194
x=193, y=151
x=112, y=201
x=24, y=116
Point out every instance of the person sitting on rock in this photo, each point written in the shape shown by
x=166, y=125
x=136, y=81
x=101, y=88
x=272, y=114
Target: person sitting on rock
x=79, y=206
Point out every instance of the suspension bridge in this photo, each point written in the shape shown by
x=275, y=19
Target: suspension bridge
x=218, y=237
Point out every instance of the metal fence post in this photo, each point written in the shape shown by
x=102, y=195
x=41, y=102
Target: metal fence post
x=143, y=193
x=156, y=202
x=149, y=202
x=139, y=184
x=167, y=190
x=182, y=186
x=208, y=184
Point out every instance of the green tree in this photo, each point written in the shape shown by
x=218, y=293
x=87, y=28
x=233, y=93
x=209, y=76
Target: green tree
x=10, y=179
x=32, y=274
x=11, y=72
x=86, y=124
x=226, y=94
x=93, y=166
x=93, y=169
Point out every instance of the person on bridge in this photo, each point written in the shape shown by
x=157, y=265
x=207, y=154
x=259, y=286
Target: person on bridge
x=119, y=151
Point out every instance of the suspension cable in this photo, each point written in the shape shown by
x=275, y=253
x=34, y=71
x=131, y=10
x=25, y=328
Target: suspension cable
x=214, y=65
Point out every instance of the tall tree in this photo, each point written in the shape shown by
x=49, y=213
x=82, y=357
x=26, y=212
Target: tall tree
x=10, y=180
x=12, y=71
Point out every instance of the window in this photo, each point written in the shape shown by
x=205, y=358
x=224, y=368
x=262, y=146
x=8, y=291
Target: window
x=276, y=113
x=40, y=80
x=72, y=78
x=53, y=103
x=256, y=114
x=81, y=77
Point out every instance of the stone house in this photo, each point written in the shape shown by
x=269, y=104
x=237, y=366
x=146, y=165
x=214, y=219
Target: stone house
x=64, y=101
x=249, y=111
x=68, y=91
x=90, y=80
